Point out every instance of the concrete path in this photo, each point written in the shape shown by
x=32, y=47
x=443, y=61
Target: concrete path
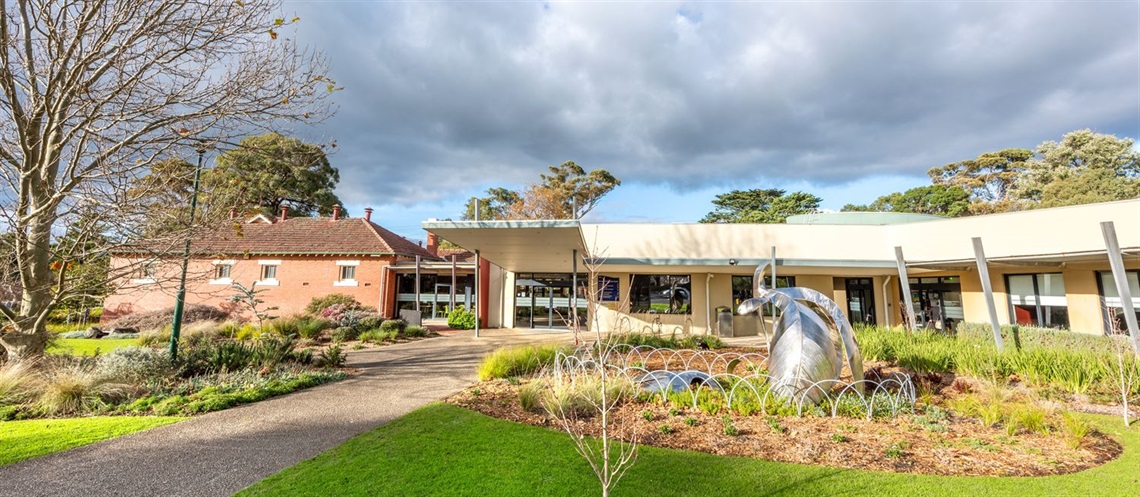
x=220, y=453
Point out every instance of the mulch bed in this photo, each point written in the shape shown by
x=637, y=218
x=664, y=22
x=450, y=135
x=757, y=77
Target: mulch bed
x=966, y=448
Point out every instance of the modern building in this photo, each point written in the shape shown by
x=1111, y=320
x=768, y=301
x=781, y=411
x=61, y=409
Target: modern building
x=1047, y=267
x=293, y=260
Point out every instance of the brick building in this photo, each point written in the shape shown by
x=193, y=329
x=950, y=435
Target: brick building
x=295, y=260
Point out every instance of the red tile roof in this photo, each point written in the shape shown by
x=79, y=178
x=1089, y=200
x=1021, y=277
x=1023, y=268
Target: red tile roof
x=308, y=235
x=461, y=255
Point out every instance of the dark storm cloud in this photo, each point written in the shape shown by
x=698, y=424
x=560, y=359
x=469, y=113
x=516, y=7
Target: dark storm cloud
x=442, y=96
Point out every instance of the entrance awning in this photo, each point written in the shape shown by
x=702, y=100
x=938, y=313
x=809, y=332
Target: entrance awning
x=517, y=246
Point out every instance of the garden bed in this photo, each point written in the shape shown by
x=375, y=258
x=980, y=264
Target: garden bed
x=958, y=446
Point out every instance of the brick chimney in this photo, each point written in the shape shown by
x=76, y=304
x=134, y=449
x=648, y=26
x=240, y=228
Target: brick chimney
x=433, y=244
x=336, y=212
x=284, y=213
x=368, y=214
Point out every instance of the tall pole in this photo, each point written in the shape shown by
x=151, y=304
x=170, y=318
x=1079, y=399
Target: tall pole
x=904, y=281
x=452, y=303
x=418, y=307
x=988, y=291
x=574, y=290
x=1116, y=262
x=478, y=294
x=180, y=300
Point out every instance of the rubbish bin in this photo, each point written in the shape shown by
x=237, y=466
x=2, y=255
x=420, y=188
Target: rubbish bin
x=724, y=321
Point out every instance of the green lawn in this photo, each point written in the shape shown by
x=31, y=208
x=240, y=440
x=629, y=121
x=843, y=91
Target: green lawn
x=445, y=450
x=89, y=346
x=26, y=439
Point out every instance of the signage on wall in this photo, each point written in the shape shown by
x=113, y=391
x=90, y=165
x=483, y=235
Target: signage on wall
x=608, y=287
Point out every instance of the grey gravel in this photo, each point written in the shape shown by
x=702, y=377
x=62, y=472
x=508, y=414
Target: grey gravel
x=220, y=453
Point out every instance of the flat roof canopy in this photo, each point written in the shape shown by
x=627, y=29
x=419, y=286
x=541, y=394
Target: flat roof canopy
x=517, y=246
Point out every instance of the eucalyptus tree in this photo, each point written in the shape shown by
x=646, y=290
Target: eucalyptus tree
x=93, y=92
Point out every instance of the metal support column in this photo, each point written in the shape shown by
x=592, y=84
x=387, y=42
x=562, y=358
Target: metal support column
x=1119, y=276
x=417, y=307
x=453, y=283
x=574, y=290
x=478, y=294
x=772, y=305
x=908, y=302
x=987, y=289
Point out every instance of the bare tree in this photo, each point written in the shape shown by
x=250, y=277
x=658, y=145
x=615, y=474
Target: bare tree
x=1124, y=365
x=92, y=92
x=592, y=396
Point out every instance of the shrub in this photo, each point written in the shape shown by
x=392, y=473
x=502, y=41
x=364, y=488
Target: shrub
x=135, y=365
x=461, y=319
x=74, y=334
x=416, y=332
x=319, y=304
x=311, y=329
x=154, y=320
x=344, y=315
x=394, y=325
x=580, y=397
x=74, y=388
x=18, y=381
x=287, y=326
x=370, y=322
x=635, y=339
x=728, y=427
x=516, y=361
x=1075, y=428
x=531, y=396
x=377, y=336
x=247, y=332
x=344, y=334
x=332, y=357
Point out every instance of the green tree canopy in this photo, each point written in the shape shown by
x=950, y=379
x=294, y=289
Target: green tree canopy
x=1084, y=167
x=760, y=206
x=940, y=200
x=566, y=191
x=495, y=206
x=269, y=171
x=991, y=178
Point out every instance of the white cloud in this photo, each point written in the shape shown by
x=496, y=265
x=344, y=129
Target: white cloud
x=444, y=97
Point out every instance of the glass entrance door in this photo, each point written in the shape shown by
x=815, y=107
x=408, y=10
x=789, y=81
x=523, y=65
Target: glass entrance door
x=440, y=308
x=544, y=300
x=937, y=302
x=861, y=300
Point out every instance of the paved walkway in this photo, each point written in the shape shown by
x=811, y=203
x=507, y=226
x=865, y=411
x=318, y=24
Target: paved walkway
x=219, y=453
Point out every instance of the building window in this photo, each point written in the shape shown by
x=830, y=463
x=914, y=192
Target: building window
x=1113, y=306
x=145, y=273
x=346, y=271
x=660, y=293
x=742, y=287
x=223, y=271
x=1038, y=300
x=268, y=273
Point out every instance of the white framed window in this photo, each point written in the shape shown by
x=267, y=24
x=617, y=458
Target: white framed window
x=145, y=274
x=268, y=272
x=222, y=273
x=268, y=275
x=346, y=273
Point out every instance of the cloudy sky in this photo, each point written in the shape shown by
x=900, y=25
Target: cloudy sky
x=682, y=101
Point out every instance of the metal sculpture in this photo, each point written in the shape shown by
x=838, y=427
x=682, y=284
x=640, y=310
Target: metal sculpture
x=804, y=355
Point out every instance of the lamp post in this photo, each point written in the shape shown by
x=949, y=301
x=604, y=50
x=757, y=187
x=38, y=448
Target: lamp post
x=180, y=300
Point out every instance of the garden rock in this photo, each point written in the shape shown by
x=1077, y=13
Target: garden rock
x=94, y=332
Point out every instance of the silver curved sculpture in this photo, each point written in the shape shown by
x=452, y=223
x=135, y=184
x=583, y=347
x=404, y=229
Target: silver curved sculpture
x=803, y=354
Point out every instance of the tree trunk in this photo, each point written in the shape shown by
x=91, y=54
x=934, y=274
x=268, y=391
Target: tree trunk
x=22, y=346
